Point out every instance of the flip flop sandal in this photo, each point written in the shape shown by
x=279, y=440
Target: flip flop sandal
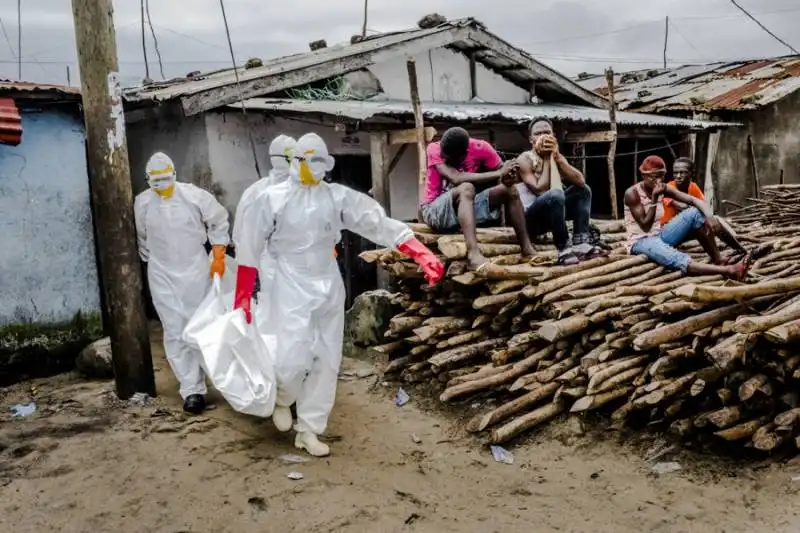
x=743, y=268
x=568, y=259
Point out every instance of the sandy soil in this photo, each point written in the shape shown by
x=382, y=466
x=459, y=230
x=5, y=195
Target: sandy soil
x=86, y=463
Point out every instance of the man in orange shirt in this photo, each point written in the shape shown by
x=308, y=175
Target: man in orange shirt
x=683, y=174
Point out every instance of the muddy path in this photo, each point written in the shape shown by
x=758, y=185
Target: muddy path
x=86, y=463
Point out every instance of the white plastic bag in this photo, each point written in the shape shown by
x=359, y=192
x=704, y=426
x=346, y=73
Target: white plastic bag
x=235, y=357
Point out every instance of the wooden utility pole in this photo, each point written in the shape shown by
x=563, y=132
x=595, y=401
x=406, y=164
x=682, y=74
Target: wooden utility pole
x=112, y=197
x=666, y=41
x=422, y=156
x=612, y=149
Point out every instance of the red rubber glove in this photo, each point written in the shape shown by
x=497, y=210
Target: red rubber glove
x=245, y=285
x=431, y=266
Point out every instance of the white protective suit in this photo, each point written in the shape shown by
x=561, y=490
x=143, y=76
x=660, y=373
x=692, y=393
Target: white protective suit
x=298, y=222
x=171, y=234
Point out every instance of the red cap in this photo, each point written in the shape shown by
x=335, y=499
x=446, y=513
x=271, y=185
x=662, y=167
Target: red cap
x=652, y=164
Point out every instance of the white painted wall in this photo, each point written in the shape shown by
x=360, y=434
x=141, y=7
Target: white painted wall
x=231, y=158
x=443, y=76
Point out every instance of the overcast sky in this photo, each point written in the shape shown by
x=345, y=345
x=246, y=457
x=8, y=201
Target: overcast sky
x=571, y=35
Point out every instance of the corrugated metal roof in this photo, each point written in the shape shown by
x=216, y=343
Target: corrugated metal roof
x=464, y=35
x=364, y=110
x=10, y=122
x=7, y=86
x=737, y=86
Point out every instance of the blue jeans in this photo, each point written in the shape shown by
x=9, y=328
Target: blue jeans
x=551, y=210
x=441, y=214
x=661, y=248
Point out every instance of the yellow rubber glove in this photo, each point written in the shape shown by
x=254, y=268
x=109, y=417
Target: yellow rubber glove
x=217, y=260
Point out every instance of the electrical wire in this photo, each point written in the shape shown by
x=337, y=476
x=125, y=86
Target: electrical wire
x=239, y=88
x=155, y=39
x=751, y=17
x=144, y=43
x=8, y=40
x=687, y=41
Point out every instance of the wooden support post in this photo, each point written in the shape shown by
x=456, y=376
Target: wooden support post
x=473, y=77
x=112, y=197
x=583, y=159
x=635, y=160
x=378, y=153
x=753, y=167
x=422, y=159
x=612, y=149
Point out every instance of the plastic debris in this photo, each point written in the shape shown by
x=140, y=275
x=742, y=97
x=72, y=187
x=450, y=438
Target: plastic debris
x=416, y=439
x=666, y=468
x=401, y=398
x=501, y=455
x=139, y=399
x=292, y=458
x=21, y=410
x=295, y=476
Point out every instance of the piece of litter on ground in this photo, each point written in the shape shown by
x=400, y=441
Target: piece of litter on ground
x=295, y=476
x=139, y=399
x=21, y=410
x=401, y=398
x=501, y=455
x=795, y=478
x=292, y=458
x=666, y=468
x=365, y=373
x=416, y=439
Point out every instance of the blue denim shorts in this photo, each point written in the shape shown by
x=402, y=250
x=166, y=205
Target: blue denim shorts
x=441, y=214
x=661, y=248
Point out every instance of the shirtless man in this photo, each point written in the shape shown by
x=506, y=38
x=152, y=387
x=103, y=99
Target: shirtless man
x=644, y=210
x=457, y=166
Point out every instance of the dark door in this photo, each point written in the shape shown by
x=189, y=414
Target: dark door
x=354, y=171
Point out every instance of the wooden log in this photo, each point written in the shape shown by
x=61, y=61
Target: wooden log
x=613, y=370
x=668, y=391
x=443, y=328
x=524, y=423
x=458, y=250
x=473, y=373
x=498, y=299
x=404, y=324
x=465, y=353
x=758, y=383
x=700, y=293
x=458, y=340
x=594, y=281
x=396, y=365
x=742, y=431
x=622, y=378
x=615, y=265
x=683, y=328
x=767, y=438
x=665, y=287
x=785, y=333
x=788, y=418
x=509, y=409
x=389, y=348
x=726, y=353
x=560, y=329
x=589, y=403
x=725, y=417
x=753, y=324
x=494, y=380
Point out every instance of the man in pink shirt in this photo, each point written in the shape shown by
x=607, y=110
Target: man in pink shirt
x=456, y=166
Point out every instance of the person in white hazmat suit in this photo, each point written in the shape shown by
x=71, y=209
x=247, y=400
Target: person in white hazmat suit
x=298, y=222
x=281, y=153
x=173, y=222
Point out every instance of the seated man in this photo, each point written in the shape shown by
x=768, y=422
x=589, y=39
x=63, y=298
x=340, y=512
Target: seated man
x=683, y=174
x=646, y=236
x=552, y=192
x=456, y=166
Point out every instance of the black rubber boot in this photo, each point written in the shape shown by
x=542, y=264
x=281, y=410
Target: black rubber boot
x=194, y=404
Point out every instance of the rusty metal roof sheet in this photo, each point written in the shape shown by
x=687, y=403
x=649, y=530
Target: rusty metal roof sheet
x=216, y=89
x=21, y=88
x=514, y=113
x=10, y=122
x=737, y=86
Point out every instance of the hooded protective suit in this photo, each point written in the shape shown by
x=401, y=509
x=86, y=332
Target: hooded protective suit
x=173, y=221
x=298, y=222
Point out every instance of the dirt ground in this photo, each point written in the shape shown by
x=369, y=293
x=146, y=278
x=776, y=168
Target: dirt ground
x=84, y=462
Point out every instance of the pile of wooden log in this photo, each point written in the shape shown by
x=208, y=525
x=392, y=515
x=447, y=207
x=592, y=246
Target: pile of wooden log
x=710, y=360
x=776, y=204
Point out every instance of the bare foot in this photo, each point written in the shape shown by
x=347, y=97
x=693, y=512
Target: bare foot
x=739, y=270
x=476, y=260
x=528, y=251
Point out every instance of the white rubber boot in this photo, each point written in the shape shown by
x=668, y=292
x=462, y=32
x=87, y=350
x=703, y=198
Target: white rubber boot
x=309, y=442
x=282, y=418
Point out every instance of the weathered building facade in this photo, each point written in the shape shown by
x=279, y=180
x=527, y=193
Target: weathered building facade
x=761, y=95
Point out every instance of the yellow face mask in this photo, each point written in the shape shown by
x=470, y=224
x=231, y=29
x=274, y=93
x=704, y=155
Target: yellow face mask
x=166, y=192
x=306, y=176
